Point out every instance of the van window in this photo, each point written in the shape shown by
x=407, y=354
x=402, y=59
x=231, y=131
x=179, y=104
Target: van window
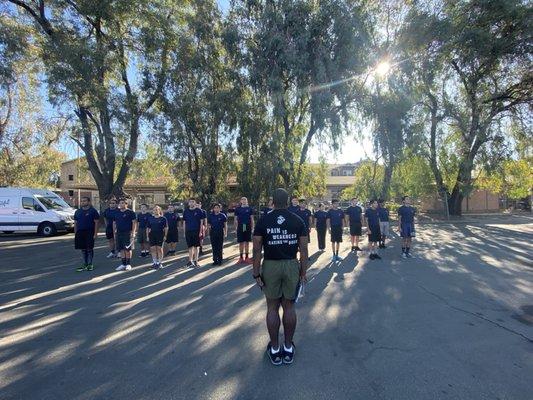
x=29, y=203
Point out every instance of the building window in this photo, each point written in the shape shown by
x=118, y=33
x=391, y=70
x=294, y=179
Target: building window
x=71, y=193
x=71, y=177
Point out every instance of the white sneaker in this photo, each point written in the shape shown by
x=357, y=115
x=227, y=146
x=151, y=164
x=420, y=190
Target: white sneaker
x=128, y=267
x=121, y=267
x=110, y=255
x=404, y=255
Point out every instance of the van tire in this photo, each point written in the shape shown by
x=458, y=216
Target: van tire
x=47, y=229
x=8, y=232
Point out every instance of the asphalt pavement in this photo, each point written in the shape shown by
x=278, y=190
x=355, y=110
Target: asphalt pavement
x=454, y=322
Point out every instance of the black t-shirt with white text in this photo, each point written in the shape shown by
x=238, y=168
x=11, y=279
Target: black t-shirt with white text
x=280, y=230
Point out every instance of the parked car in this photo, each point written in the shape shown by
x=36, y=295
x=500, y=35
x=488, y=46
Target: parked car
x=34, y=210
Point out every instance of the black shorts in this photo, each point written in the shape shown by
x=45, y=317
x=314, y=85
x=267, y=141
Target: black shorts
x=244, y=235
x=142, y=237
x=355, y=229
x=172, y=236
x=123, y=240
x=336, y=233
x=375, y=236
x=84, y=240
x=109, y=232
x=156, y=238
x=192, y=238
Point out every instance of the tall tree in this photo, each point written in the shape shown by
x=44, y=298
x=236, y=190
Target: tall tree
x=301, y=56
x=107, y=61
x=473, y=61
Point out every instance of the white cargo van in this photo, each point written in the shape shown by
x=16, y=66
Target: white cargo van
x=34, y=210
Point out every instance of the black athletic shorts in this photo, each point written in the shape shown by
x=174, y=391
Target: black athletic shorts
x=109, y=232
x=375, y=236
x=192, y=238
x=156, y=238
x=172, y=236
x=84, y=240
x=244, y=235
x=355, y=229
x=123, y=240
x=336, y=233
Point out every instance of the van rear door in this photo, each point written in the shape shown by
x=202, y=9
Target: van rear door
x=9, y=213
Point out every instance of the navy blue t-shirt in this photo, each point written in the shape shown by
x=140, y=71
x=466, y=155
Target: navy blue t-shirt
x=142, y=219
x=407, y=213
x=109, y=215
x=217, y=220
x=193, y=219
x=372, y=217
x=85, y=219
x=244, y=215
x=354, y=214
x=304, y=215
x=172, y=220
x=321, y=217
x=293, y=209
x=124, y=220
x=383, y=214
x=156, y=224
x=335, y=217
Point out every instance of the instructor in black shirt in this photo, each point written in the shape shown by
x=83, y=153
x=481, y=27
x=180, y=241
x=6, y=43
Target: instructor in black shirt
x=280, y=233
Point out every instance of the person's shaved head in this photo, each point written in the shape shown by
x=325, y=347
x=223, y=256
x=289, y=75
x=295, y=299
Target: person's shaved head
x=280, y=198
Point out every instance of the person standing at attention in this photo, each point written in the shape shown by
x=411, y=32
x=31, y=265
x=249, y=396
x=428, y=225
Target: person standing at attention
x=244, y=225
x=125, y=227
x=335, y=223
x=218, y=230
x=157, y=231
x=86, y=220
x=280, y=234
x=406, y=225
x=193, y=218
x=354, y=214
x=142, y=235
x=320, y=218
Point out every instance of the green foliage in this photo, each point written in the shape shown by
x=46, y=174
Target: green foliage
x=513, y=178
x=368, y=181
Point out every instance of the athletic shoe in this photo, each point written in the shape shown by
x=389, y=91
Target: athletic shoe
x=404, y=255
x=339, y=258
x=334, y=258
x=90, y=267
x=159, y=265
x=276, y=357
x=111, y=255
x=357, y=248
x=408, y=255
x=377, y=256
x=81, y=268
x=288, y=356
x=121, y=267
x=169, y=253
x=353, y=248
x=241, y=260
x=128, y=267
x=248, y=260
x=196, y=265
x=371, y=256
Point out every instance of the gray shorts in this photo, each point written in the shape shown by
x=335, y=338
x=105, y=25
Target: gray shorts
x=384, y=228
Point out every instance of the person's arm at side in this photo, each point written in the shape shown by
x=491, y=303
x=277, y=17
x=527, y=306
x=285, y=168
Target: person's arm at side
x=399, y=222
x=302, y=244
x=134, y=229
x=368, y=226
x=114, y=229
x=225, y=229
x=328, y=225
x=257, y=246
x=96, y=225
x=207, y=229
x=165, y=230
x=252, y=223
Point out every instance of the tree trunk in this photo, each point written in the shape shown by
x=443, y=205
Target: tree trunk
x=387, y=177
x=455, y=202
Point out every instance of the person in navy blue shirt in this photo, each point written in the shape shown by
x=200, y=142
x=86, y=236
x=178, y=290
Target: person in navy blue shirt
x=142, y=235
x=320, y=221
x=203, y=229
x=217, y=230
x=125, y=228
x=383, y=213
x=294, y=206
x=268, y=208
x=244, y=226
x=108, y=215
x=173, y=220
x=193, y=219
x=354, y=213
x=406, y=225
x=86, y=221
x=306, y=215
x=335, y=221
x=374, y=234
x=157, y=227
